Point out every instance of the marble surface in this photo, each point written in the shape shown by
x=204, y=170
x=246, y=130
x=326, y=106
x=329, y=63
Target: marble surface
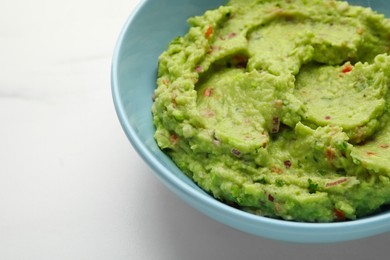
x=71, y=185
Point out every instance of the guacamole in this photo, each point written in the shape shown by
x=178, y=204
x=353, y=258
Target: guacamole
x=281, y=108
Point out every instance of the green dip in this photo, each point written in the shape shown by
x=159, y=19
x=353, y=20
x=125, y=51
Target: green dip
x=281, y=108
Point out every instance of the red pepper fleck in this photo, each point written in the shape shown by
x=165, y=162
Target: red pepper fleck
x=174, y=138
x=288, y=164
x=347, y=68
x=369, y=153
x=165, y=81
x=340, y=215
x=231, y=35
x=330, y=154
x=328, y=117
x=271, y=198
x=208, y=113
x=276, y=169
x=275, y=125
x=207, y=92
x=208, y=32
x=334, y=183
x=240, y=61
x=198, y=68
x=384, y=146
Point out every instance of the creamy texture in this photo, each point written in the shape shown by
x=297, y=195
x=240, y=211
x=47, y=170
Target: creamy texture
x=281, y=107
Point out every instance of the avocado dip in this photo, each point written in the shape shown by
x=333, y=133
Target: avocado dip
x=281, y=108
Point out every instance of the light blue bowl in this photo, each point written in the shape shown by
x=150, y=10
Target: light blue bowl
x=146, y=34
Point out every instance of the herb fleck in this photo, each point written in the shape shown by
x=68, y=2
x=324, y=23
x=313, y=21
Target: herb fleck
x=312, y=186
x=342, y=146
x=279, y=183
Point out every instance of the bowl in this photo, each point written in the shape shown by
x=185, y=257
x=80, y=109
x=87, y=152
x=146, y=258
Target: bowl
x=145, y=35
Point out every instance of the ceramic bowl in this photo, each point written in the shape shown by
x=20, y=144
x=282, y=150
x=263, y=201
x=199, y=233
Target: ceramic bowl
x=147, y=32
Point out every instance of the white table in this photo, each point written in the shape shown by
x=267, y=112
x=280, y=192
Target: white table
x=71, y=185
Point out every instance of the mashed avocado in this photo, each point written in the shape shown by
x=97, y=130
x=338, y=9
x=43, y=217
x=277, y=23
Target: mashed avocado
x=281, y=108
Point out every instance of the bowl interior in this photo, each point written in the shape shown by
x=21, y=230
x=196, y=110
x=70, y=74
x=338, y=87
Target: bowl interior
x=145, y=36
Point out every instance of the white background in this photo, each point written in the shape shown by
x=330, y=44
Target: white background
x=71, y=185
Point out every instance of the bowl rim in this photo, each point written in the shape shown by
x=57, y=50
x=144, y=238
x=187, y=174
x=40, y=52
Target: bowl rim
x=371, y=225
